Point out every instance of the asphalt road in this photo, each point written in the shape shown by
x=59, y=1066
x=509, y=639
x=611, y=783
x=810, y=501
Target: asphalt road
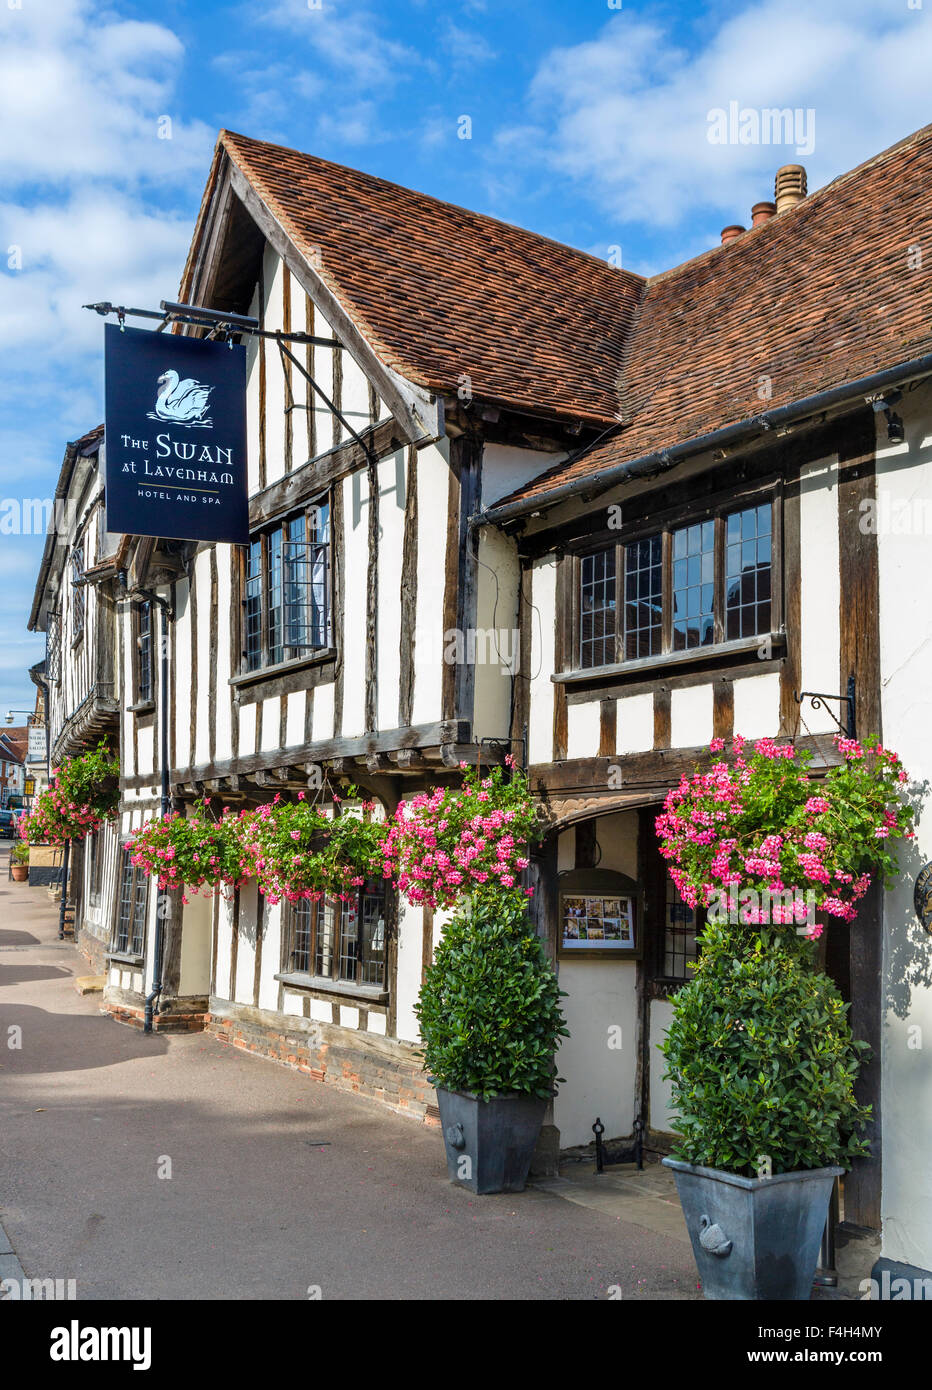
x=279, y=1185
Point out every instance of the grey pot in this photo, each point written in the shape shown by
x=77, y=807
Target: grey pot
x=489, y=1143
x=754, y=1238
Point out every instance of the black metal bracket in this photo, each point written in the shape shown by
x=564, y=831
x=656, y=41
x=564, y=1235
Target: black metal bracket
x=818, y=702
x=627, y=1153
x=502, y=743
x=219, y=320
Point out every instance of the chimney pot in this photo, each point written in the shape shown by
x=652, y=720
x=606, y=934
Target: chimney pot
x=762, y=212
x=730, y=233
x=790, y=187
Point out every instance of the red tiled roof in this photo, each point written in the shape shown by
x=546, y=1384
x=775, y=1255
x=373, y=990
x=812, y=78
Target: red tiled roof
x=815, y=298
x=441, y=292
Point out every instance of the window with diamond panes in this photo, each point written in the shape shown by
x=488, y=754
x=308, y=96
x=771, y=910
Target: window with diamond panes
x=748, y=557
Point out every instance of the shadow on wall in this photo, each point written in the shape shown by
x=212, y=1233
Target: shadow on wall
x=908, y=944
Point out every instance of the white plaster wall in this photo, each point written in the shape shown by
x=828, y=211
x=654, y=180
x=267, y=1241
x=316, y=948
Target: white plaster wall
x=196, y=945
x=246, y=947
x=322, y=714
x=145, y=738
x=271, y=958
x=757, y=705
x=820, y=587
x=410, y=960
x=275, y=397
x=904, y=539
x=661, y=1016
x=271, y=724
x=582, y=730
x=355, y=571
x=634, y=723
x=247, y=729
x=601, y=998
x=253, y=349
x=496, y=612
x=222, y=663
x=294, y=724
x=543, y=607
x=505, y=468
x=433, y=473
x=224, y=944
x=691, y=716
x=182, y=654
x=599, y=1079
x=392, y=488
x=206, y=658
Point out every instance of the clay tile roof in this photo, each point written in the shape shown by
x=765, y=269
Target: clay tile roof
x=817, y=297
x=441, y=292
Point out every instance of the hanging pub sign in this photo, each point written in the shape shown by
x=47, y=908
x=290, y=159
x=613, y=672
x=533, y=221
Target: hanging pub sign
x=175, y=436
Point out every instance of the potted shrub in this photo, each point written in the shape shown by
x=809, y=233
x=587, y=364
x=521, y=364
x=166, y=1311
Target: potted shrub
x=759, y=1052
x=490, y=1022
x=762, y=1065
x=20, y=859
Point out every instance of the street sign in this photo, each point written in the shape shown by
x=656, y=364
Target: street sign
x=175, y=436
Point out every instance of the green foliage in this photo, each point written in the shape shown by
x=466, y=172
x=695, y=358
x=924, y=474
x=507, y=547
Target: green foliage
x=20, y=853
x=489, y=1008
x=761, y=1058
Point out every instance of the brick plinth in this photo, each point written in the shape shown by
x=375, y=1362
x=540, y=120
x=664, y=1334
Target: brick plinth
x=161, y=1023
x=379, y=1068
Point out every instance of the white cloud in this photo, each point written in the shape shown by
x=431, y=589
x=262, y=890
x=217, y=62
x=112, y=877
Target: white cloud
x=626, y=114
x=81, y=95
x=465, y=47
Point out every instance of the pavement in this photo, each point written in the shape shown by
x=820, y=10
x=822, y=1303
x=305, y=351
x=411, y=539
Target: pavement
x=176, y=1167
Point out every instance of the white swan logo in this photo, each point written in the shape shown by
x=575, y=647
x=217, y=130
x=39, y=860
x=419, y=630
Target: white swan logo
x=182, y=402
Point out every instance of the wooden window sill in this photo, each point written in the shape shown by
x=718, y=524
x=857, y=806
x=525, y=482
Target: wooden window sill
x=264, y=673
x=345, y=989
x=706, y=656
x=124, y=958
x=141, y=707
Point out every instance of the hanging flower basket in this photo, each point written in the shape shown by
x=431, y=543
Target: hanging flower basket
x=760, y=841
x=445, y=844
x=298, y=851
x=86, y=793
x=196, y=852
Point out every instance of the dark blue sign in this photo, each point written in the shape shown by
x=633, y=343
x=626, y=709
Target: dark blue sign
x=175, y=436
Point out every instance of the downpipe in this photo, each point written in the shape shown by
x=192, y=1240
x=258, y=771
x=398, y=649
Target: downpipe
x=166, y=615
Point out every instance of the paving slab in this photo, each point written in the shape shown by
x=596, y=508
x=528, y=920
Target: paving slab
x=176, y=1167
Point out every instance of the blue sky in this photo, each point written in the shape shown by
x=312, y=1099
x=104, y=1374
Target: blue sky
x=589, y=123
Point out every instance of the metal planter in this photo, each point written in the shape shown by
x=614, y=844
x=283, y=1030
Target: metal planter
x=489, y=1143
x=754, y=1238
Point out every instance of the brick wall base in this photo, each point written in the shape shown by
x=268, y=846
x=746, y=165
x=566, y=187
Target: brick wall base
x=362, y=1063
x=93, y=949
x=161, y=1023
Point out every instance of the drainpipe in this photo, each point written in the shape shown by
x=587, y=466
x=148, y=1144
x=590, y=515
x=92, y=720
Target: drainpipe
x=66, y=855
x=166, y=615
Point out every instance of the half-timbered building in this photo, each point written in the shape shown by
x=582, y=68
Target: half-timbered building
x=79, y=679
x=513, y=498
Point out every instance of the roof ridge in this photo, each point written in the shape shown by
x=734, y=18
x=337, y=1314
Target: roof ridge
x=811, y=200
x=438, y=202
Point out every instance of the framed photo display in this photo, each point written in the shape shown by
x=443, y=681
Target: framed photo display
x=600, y=917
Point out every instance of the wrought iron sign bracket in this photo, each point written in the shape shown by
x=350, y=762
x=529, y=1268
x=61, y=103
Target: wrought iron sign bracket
x=818, y=702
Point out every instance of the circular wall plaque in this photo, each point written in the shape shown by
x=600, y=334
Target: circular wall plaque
x=922, y=896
